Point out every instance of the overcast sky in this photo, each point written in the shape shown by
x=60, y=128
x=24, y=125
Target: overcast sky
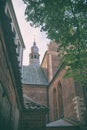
x=28, y=33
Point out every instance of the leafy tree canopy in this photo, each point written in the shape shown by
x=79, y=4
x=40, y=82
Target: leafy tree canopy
x=64, y=21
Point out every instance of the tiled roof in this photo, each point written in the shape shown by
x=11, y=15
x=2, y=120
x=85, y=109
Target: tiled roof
x=33, y=74
x=32, y=105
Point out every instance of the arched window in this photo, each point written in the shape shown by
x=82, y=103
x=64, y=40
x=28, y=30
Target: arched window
x=60, y=101
x=55, y=111
x=35, y=56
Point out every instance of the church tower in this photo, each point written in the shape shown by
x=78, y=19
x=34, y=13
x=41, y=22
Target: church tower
x=34, y=55
x=35, y=83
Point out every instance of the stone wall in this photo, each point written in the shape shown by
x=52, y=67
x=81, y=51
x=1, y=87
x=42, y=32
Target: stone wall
x=8, y=95
x=34, y=120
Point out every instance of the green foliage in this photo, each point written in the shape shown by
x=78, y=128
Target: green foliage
x=64, y=21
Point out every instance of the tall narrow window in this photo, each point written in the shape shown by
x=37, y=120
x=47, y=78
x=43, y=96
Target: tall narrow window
x=55, y=105
x=14, y=31
x=8, y=14
x=18, y=48
x=60, y=101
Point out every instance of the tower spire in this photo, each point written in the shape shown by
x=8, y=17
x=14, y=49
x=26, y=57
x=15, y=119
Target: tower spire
x=34, y=55
x=34, y=38
x=34, y=43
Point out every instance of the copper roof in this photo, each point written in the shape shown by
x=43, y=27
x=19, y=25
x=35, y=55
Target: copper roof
x=33, y=74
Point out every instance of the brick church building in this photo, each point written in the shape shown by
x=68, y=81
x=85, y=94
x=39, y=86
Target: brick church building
x=44, y=100
x=45, y=85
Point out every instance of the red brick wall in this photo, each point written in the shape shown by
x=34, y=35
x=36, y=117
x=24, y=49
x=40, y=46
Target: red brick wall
x=68, y=93
x=70, y=90
x=37, y=93
x=55, y=63
x=50, y=64
x=52, y=46
x=51, y=60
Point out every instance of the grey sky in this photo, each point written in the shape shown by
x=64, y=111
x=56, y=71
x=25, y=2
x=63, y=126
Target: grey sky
x=28, y=32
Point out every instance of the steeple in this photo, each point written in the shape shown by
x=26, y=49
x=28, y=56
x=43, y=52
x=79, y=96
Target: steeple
x=34, y=55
